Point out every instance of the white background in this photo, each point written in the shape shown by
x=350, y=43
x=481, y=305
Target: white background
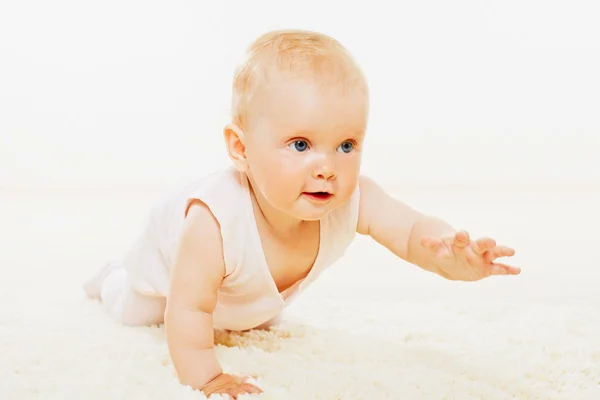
x=135, y=93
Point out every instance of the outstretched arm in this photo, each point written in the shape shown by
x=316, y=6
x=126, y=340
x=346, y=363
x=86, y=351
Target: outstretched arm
x=427, y=241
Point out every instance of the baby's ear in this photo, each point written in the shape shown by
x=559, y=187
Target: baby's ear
x=236, y=148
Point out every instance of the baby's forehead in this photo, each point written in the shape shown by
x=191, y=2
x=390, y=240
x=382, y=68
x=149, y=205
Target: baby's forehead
x=288, y=55
x=319, y=121
x=286, y=86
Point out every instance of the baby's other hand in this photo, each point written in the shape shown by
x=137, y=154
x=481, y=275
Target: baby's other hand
x=232, y=385
x=460, y=258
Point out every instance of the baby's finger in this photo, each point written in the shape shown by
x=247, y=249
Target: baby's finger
x=461, y=239
x=499, y=251
x=503, y=269
x=506, y=251
x=235, y=392
x=482, y=245
x=250, y=388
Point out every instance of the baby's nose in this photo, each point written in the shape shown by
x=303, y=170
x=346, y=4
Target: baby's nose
x=324, y=171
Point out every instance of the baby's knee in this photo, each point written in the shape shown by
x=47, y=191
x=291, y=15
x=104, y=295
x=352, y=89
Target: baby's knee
x=129, y=307
x=140, y=312
x=140, y=317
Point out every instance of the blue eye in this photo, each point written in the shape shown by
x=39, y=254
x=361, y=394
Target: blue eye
x=299, y=145
x=346, y=147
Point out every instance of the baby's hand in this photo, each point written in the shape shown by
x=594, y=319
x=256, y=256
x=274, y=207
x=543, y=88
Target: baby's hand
x=231, y=385
x=460, y=258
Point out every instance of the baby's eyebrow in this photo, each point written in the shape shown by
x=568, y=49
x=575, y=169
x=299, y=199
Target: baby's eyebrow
x=355, y=135
x=313, y=135
x=359, y=133
x=341, y=132
x=301, y=132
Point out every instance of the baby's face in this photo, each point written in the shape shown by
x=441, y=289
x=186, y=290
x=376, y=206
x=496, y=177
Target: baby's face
x=304, y=144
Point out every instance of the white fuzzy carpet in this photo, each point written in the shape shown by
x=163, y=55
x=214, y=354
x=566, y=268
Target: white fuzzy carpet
x=372, y=328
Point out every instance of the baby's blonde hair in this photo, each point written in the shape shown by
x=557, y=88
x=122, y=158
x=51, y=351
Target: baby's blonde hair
x=302, y=53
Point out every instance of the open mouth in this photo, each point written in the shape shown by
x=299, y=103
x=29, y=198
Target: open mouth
x=318, y=196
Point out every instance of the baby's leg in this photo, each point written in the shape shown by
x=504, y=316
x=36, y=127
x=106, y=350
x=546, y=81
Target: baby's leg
x=133, y=288
x=127, y=306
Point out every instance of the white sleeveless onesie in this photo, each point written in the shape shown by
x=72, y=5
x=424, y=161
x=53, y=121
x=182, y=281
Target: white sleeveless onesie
x=248, y=296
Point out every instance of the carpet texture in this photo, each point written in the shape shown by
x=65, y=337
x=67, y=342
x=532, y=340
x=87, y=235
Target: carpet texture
x=372, y=327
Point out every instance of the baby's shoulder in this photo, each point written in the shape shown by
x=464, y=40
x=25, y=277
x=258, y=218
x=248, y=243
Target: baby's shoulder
x=219, y=191
x=199, y=257
x=224, y=192
x=221, y=197
x=219, y=186
x=200, y=222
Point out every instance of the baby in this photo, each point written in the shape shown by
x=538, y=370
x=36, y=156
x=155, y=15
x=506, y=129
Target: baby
x=234, y=248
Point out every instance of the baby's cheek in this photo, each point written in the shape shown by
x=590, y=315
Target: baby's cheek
x=279, y=192
x=347, y=189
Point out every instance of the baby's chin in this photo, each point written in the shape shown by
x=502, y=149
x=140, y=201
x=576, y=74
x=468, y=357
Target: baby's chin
x=311, y=218
x=309, y=212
